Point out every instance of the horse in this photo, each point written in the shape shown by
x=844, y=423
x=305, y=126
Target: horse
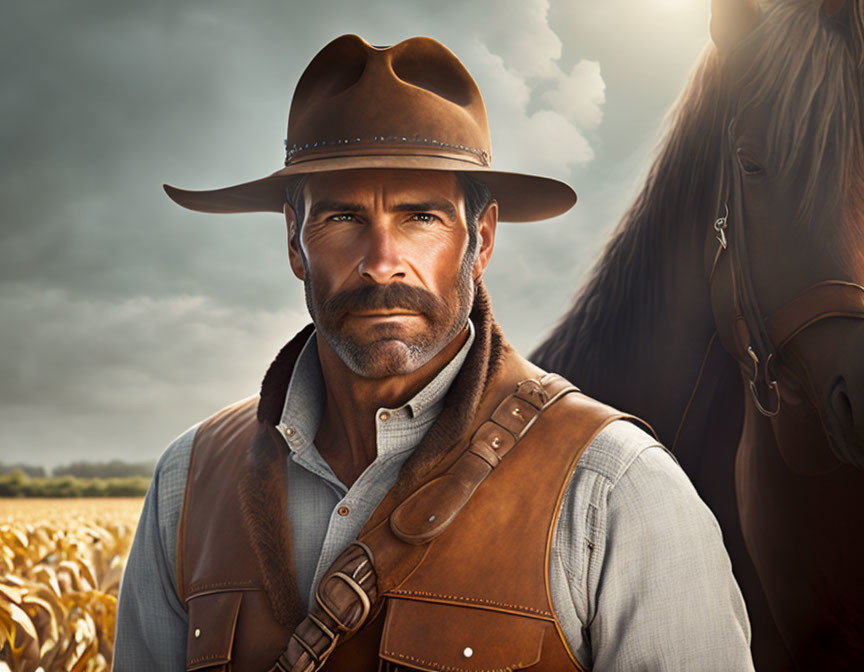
x=726, y=311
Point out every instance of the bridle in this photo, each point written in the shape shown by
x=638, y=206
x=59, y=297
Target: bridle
x=753, y=340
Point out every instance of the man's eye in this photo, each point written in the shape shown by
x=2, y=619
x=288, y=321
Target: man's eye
x=424, y=217
x=341, y=217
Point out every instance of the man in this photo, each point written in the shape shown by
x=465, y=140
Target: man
x=407, y=490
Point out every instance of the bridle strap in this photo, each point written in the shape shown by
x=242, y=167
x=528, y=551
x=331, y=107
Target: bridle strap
x=831, y=298
x=756, y=341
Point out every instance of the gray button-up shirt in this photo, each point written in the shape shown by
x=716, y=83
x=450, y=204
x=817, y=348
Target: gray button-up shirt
x=639, y=577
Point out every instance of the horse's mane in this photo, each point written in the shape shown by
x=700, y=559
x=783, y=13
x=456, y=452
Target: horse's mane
x=625, y=288
x=808, y=69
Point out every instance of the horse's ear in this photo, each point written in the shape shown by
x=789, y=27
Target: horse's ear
x=830, y=7
x=732, y=20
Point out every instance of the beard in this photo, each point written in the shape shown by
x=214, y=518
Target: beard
x=387, y=349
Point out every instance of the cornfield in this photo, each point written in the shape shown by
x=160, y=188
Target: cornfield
x=60, y=567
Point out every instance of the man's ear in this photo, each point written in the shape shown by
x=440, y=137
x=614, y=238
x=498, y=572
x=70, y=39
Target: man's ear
x=295, y=255
x=486, y=225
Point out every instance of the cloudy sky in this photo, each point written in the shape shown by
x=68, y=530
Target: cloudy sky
x=125, y=318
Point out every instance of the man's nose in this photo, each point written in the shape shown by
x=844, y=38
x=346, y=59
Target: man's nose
x=382, y=262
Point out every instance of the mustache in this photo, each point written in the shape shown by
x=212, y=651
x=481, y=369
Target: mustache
x=384, y=297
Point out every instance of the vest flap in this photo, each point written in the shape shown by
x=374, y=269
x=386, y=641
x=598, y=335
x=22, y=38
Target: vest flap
x=212, y=621
x=433, y=636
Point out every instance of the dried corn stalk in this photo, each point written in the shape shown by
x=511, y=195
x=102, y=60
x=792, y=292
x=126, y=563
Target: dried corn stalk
x=60, y=568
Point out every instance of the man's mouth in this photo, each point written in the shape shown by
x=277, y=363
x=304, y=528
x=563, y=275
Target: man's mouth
x=398, y=312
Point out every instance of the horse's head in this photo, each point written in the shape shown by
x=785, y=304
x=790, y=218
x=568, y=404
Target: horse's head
x=787, y=290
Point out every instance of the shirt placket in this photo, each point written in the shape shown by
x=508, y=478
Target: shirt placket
x=362, y=498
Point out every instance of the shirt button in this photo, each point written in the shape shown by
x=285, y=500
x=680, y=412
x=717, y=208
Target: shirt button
x=384, y=416
x=343, y=511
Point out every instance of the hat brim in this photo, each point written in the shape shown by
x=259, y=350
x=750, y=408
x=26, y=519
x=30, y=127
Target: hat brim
x=520, y=197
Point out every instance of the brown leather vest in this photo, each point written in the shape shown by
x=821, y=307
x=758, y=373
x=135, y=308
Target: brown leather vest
x=479, y=600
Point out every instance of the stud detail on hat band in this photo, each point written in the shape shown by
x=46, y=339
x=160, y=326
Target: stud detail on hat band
x=292, y=152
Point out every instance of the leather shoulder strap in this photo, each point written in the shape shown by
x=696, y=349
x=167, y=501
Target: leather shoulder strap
x=351, y=591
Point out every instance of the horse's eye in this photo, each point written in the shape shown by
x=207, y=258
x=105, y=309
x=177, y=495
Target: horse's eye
x=750, y=166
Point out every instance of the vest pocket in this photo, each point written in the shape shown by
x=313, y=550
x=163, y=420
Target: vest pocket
x=210, y=638
x=438, y=637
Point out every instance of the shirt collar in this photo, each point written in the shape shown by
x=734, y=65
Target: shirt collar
x=304, y=400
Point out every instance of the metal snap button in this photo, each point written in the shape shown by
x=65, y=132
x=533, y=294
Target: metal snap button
x=197, y=633
x=468, y=652
x=343, y=511
x=384, y=416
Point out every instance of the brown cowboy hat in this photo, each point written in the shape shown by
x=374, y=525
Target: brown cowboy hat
x=411, y=106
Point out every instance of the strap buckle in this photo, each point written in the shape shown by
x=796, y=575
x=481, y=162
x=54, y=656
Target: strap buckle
x=365, y=603
x=316, y=660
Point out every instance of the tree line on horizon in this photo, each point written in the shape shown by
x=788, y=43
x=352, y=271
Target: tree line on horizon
x=78, y=479
x=84, y=469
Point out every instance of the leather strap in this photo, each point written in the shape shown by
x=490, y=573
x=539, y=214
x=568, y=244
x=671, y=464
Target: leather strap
x=832, y=298
x=756, y=341
x=351, y=591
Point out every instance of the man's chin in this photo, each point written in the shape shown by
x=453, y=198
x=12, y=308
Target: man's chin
x=383, y=358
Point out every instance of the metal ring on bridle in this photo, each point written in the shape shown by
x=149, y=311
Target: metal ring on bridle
x=720, y=226
x=770, y=382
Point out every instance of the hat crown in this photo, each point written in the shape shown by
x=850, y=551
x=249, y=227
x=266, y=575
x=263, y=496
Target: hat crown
x=412, y=97
x=410, y=106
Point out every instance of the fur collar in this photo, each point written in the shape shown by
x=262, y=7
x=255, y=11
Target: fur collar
x=262, y=487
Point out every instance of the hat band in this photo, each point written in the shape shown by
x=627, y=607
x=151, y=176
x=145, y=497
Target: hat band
x=382, y=145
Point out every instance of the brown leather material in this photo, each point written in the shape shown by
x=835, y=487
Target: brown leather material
x=428, y=511
x=537, y=471
x=213, y=621
x=756, y=341
x=412, y=106
x=483, y=594
x=434, y=636
x=832, y=298
x=752, y=339
x=484, y=583
x=234, y=539
x=204, y=570
x=349, y=590
x=218, y=578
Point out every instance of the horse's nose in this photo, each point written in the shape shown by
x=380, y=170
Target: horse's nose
x=845, y=411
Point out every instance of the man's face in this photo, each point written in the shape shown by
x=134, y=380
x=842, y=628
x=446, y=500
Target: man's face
x=386, y=267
